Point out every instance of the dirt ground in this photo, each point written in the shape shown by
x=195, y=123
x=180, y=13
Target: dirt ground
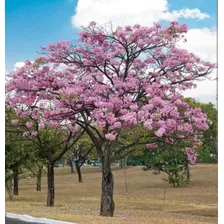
x=147, y=198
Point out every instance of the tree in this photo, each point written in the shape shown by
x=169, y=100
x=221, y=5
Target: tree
x=166, y=155
x=113, y=80
x=170, y=159
x=47, y=143
x=16, y=155
x=51, y=145
x=36, y=166
x=79, y=154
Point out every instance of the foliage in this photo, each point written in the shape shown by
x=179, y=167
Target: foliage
x=170, y=159
x=84, y=150
x=17, y=150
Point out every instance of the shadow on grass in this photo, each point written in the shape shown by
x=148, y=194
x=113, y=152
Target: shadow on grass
x=199, y=212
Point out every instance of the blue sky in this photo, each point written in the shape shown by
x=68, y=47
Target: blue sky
x=31, y=23
x=206, y=6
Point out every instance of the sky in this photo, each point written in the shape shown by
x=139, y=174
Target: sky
x=31, y=24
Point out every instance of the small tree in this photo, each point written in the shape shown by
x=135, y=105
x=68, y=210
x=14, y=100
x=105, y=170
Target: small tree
x=47, y=143
x=79, y=154
x=169, y=159
x=51, y=145
x=16, y=154
x=15, y=158
x=36, y=166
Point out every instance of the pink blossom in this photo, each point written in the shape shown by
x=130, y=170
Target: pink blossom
x=110, y=136
x=191, y=155
x=23, y=114
x=34, y=133
x=151, y=145
x=41, y=125
x=184, y=28
x=160, y=132
x=137, y=26
x=93, y=23
x=72, y=129
x=29, y=124
x=15, y=122
x=188, y=67
x=116, y=125
x=148, y=124
x=53, y=124
x=158, y=25
x=134, y=107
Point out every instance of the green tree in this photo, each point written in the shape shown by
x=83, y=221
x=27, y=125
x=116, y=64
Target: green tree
x=82, y=150
x=17, y=153
x=169, y=159
x=47, y=144
x=36, y=166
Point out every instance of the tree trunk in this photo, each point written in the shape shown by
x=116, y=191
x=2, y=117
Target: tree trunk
x=71, y=165
x=39, y=174
x=9, y=191
x=125, y=176
x=50, y=185
x=121, y=163
x=16, y=181
x=8, y=186
x=78, y=168
x=107, y=202
x=188, y=172
x=216, y=147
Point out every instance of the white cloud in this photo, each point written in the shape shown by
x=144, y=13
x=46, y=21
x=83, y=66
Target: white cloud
x=183, y=13
x=145, y=12
x=202, y=42
x=129, y=12
x=19, y=65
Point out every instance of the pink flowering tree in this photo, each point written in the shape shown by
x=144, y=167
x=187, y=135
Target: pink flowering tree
x=115, y=79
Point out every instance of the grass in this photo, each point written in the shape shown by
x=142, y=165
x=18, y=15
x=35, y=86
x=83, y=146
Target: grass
x=143, y=203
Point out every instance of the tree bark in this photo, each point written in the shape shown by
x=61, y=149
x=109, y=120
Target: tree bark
x=78, y=168
x=188, y=172
x=8, y=186
x=39, y=174
x=121, y=163
x=50, y=185
x=71, y=165
x=15, y=181
x=216, y=147
x=9, y=191
x=107, y=202
x=125, y=177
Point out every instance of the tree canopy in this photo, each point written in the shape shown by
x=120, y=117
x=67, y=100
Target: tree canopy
x=111, y=80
